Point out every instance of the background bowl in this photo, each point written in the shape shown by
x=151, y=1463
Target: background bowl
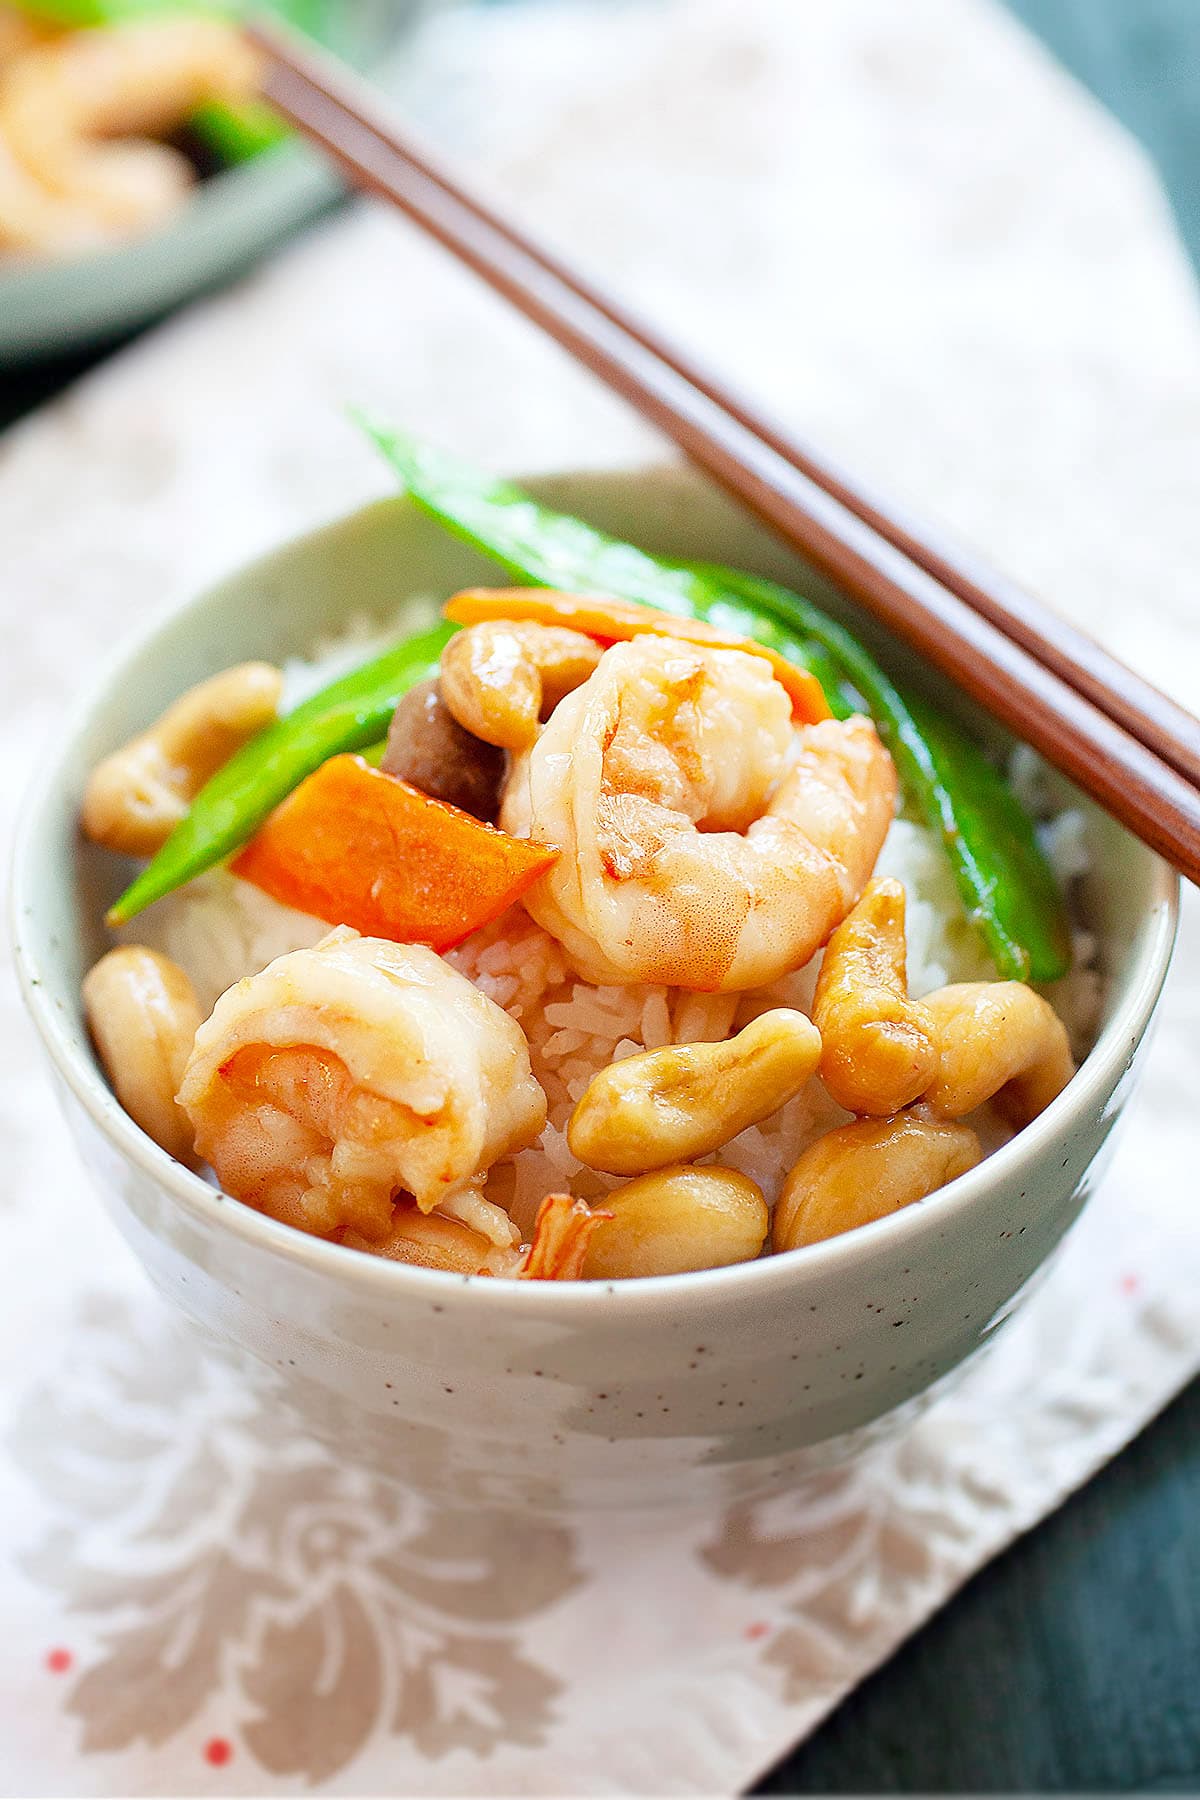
x=231, y=220
x=725, y=1383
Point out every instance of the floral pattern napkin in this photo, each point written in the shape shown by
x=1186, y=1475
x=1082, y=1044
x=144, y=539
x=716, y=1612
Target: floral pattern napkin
x=832, y=200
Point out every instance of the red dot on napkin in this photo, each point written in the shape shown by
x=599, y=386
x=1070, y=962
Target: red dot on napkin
x=58, y=1661
x=218, y=1751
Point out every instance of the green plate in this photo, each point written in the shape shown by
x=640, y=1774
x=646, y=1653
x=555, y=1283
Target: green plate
x=232, y=220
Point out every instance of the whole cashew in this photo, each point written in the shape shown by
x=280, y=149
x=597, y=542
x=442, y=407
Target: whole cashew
x=681, y=1102
x=143, y=1017
x=500, y=678
x=677, y=1219
x=997, y=1038
x=877, y=1048
x=135, y=798
x=863, y=1171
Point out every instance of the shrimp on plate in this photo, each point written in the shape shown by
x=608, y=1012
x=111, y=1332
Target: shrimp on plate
x=705, y=844
x=344, y=1075
x=77, y=113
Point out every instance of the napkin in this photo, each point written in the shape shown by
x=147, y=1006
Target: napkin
x=917, y=240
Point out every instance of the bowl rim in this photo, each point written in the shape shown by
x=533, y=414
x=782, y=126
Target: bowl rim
x=737, y=1283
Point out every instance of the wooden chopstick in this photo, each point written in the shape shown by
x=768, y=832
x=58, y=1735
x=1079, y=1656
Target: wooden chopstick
x=983, y=651
x=1142, y=709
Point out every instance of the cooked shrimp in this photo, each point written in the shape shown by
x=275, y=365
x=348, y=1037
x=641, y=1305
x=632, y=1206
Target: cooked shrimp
x=45, y=224
x=561, y=1234
x=500, y=678
x=431, y=1241
x=343, y=1075
x=877, y=1046
x=59, y=101
x=997, y=1038
x=694, y=852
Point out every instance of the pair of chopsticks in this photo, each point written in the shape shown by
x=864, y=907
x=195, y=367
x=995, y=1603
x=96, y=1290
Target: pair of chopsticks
x=1125, y=743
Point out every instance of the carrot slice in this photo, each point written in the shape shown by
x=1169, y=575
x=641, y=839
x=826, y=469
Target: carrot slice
x=616, y=621
x=359, y=847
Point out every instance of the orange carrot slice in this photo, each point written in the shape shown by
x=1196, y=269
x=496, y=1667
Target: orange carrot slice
x=359, y=847
x=616, y=621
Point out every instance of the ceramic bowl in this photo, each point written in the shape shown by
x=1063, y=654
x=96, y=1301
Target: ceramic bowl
x=548, y=1396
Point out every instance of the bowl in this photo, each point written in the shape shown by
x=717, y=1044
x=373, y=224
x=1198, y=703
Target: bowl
x=692, y=1388
x=230, y=221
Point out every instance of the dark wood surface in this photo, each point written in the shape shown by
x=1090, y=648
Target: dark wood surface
x=1071, y=1664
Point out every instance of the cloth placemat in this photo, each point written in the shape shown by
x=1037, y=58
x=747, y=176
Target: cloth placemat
x=910, y=232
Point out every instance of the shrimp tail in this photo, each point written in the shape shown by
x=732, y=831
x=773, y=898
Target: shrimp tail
x=561, y=1233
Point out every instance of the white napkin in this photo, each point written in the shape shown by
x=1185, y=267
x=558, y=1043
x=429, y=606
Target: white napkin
x=922, y=244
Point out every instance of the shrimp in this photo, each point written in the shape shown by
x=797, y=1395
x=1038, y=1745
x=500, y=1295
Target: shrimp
x=557, y=1251
x=696, y=851
x=342, y=1075
x=60, y=183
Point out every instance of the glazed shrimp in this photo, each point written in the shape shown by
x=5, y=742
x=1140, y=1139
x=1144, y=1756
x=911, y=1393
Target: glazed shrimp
x=61, y=100
x=694, y=852
x=557, y=1251
x=343, y=1075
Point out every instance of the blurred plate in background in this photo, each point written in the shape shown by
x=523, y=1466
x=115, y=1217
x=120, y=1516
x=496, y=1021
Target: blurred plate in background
x=233, y=218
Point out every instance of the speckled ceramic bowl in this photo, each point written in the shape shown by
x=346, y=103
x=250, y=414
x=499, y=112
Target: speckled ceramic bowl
x=690, y=1387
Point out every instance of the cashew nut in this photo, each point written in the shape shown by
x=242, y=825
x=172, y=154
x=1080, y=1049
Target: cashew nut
x=997, y=1038
x=143, y=1016
x=673, y=1105
x=877, y=1046
x=866, y=1170
x=136, y=796
x=501, y=677
x=677, y=1219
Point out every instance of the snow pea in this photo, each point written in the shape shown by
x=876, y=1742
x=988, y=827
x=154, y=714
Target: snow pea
x=350, y=714
x=1007, y=887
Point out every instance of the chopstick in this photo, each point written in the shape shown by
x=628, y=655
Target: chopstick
x=1142, y=709
x=1113, y=734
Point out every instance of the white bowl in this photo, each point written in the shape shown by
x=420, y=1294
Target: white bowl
x=548, y=1395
